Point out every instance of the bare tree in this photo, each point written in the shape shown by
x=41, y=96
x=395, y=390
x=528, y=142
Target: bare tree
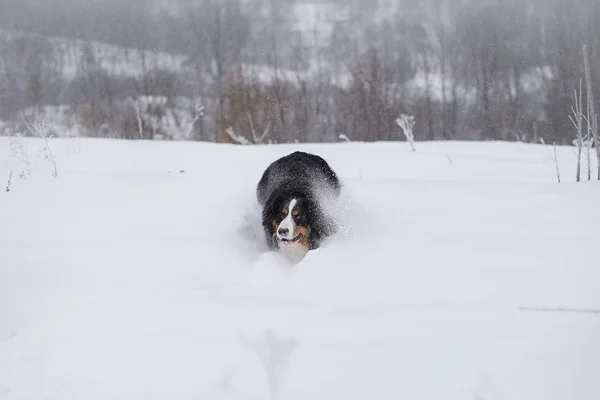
x=221, y=30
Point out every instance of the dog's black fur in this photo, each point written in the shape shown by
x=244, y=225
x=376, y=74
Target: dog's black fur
x=302, y=176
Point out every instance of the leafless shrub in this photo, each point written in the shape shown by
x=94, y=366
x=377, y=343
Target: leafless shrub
x=577, y=120
x=406, y=122
x=42, y=129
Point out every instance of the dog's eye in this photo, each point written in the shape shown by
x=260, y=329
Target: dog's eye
x=295, y=212
x=284, y=211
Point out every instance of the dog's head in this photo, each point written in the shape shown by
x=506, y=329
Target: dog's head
x=291, y=222
x=294, y=221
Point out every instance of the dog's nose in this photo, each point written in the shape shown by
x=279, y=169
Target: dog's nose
x=283, y=231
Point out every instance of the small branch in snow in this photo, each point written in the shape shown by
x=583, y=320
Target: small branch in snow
x=406, y=122
x=556, y=163
x=587, y=142
x=265, y=133
x=589, y=134
x=55, y=173
x=236, y=138
x=75, y=135
x=139, y=119
x=577, y=120
x=9, y=181
x=242, y=140
x=252, y=130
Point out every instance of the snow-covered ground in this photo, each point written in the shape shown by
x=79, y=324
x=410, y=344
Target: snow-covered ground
x=140, y=273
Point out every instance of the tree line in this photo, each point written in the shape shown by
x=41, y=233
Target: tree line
x=466, y=69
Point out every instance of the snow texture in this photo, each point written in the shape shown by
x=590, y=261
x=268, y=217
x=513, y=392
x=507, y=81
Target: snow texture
x=141, y=273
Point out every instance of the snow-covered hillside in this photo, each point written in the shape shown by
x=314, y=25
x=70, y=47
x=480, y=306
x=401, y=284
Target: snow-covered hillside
x=140, y=273
x=68, y=53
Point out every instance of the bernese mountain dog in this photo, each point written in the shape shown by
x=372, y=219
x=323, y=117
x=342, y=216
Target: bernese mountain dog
x=293, y=192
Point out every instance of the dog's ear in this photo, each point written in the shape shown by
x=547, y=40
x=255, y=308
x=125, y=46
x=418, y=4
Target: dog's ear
x=268, y=215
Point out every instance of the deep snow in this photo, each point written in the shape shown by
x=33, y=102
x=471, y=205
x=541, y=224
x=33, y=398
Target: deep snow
x=140, y=273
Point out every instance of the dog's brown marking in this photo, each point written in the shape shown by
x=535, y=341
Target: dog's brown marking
x=304, y=239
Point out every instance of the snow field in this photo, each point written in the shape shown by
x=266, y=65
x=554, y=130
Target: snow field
x=125, y=278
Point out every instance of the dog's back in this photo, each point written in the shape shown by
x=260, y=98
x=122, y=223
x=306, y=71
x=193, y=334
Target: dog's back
x=298, y=168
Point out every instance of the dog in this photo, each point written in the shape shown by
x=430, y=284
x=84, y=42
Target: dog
x=293, y=193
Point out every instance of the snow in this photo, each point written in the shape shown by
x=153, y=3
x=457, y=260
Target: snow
x=140, y=273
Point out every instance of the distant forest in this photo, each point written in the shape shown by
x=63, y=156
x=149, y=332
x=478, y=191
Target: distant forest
x=307, y=71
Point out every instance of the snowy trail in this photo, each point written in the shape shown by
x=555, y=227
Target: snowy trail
x=125, y=278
